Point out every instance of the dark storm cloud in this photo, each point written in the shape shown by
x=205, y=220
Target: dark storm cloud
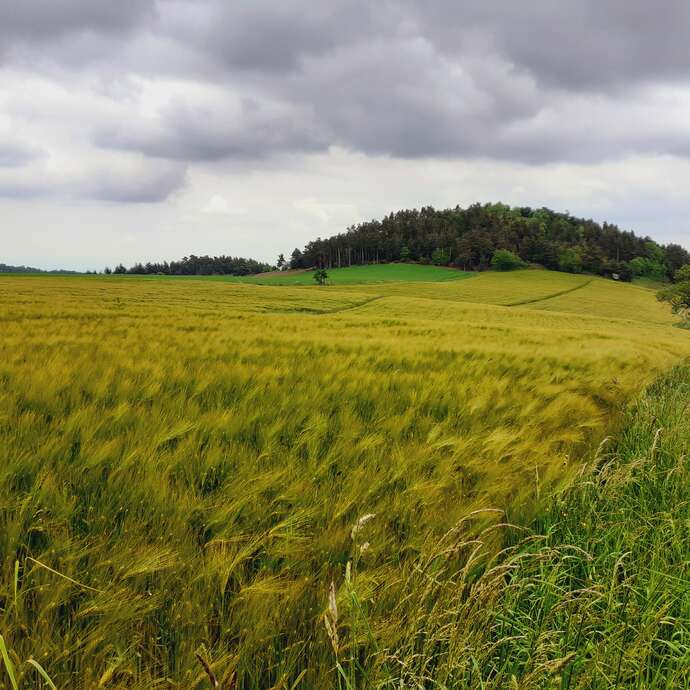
x=243, y=130
x=545, y=81
x=269, y=36
x=39, y=20
x=417, y=79
x=578, y=45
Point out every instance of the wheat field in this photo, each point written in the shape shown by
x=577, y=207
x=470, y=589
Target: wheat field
x=188, y=465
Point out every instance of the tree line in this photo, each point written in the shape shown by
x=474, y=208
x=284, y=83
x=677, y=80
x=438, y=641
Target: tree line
x=6, y=268
x=468, y=238
x=197, y=266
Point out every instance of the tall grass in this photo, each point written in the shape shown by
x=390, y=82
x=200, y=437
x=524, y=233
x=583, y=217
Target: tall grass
x=596, y=595
x=183, y=463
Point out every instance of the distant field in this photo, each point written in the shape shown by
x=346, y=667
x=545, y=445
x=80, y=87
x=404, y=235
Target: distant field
x=490, y=287
x=377, y=273
x=187, y=464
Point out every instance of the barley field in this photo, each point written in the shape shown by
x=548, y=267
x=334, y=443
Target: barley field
x=199, y=469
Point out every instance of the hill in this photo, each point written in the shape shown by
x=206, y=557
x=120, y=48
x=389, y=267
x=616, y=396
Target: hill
x=189, y=465
x=467, y=238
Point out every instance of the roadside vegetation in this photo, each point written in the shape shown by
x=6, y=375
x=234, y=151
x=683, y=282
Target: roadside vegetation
x=197, y=471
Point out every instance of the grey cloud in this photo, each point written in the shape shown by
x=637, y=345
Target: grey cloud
x=247, y=129
x=581, y=45
x=130, y=183
x=143, y=188
x=37, y=20
x=22, y=191
x=409, y=79
x=16, y=155
x=265, y=36
x=414, y=79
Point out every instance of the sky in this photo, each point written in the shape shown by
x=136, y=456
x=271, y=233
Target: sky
x=153, y=129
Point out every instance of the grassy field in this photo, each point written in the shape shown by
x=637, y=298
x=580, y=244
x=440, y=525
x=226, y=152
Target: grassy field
x=188, y=465
x=375, y=273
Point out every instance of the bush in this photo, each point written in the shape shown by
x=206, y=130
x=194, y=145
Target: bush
x=570, y=261
x=678, y=294
x=648, y=268
x=505, y=260
x=682, y=275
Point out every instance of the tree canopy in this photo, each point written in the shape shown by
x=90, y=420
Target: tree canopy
x=469, y=237
x=199, y=265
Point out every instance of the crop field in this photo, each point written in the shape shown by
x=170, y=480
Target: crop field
x=191, y=466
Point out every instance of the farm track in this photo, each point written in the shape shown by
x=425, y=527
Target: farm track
x=319, y=312
x=548, y=297
x=340, y=310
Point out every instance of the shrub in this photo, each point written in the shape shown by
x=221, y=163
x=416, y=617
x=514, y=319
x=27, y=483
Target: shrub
x=678, y=294
x=505, y=260
x=648, y=268
x=570, y=261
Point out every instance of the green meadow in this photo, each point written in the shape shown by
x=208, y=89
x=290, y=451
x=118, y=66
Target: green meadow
x=352, y=275
x=412, y=477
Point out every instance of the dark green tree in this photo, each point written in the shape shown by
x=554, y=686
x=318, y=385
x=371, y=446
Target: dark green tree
x=321, y=276
x=297, y=259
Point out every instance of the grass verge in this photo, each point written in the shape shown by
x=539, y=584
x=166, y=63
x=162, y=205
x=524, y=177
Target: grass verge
x=597, y=595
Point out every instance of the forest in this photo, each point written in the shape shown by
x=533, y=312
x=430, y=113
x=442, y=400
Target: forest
x=468, y=238
x=197, y=265
x=6, y=268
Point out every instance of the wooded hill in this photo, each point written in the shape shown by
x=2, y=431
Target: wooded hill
x=467, y=238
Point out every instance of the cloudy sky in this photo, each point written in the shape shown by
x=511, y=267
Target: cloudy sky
x=151, y=129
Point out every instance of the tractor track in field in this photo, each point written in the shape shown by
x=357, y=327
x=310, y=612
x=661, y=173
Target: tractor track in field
x=548, y=297
x=321, y=312
x=339, y=310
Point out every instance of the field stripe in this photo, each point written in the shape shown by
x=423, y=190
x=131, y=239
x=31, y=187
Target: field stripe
x=352, y=307
x=548, y=297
